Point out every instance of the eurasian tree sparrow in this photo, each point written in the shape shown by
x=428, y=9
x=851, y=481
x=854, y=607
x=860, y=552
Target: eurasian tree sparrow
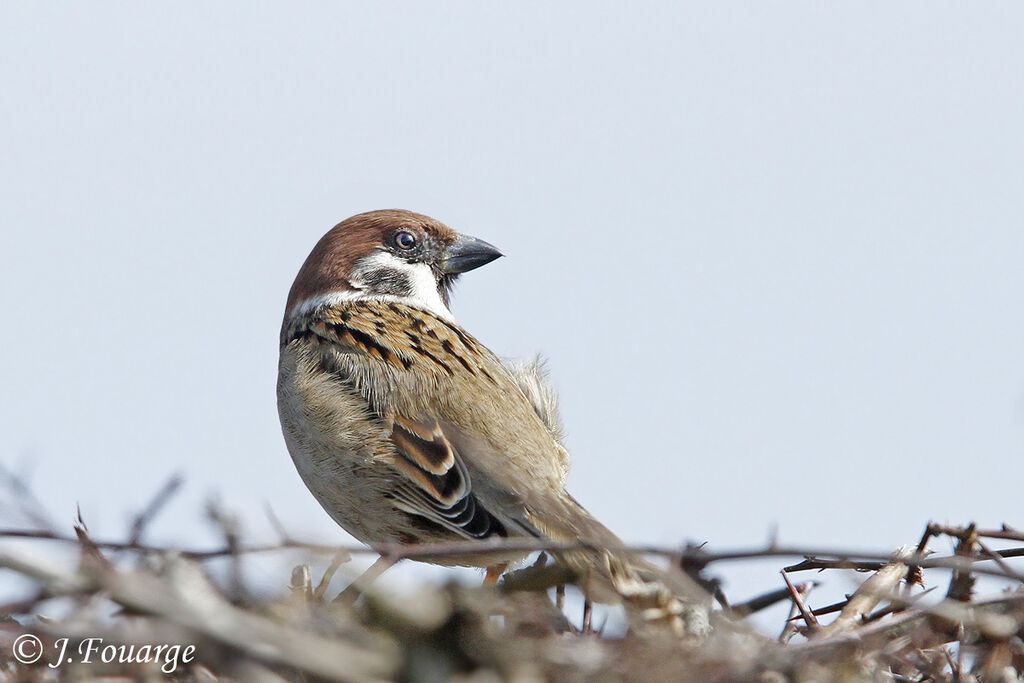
x=405, y=427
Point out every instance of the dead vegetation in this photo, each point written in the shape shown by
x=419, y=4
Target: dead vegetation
x=132, y=595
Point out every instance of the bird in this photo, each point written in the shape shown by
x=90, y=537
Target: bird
x=403, y=425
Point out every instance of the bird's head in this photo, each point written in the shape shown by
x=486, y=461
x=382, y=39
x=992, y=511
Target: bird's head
x=392, y=255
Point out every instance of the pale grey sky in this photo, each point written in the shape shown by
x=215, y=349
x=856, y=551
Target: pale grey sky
x=772, y=250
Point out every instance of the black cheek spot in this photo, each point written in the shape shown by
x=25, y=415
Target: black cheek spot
x=388, y=281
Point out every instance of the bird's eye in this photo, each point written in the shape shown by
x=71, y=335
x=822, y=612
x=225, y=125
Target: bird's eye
x=404, y=240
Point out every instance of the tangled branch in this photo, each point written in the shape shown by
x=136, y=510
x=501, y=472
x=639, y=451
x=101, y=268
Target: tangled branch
x=890, y=626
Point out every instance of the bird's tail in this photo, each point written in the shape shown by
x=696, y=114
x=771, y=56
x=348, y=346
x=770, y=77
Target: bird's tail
x=608, y=572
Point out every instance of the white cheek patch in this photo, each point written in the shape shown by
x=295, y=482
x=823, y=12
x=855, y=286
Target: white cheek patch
x=423, y=292
x=424, y=286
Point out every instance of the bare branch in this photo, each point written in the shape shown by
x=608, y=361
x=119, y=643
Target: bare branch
x=870, y=593
x=157, y=503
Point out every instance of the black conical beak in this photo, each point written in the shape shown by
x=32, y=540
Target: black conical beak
x=466, y=254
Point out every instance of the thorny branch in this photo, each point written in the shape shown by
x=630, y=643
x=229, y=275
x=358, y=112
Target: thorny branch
x=362, y=634
x=814, y=558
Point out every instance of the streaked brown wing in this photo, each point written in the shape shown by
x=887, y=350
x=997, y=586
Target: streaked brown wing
x=439, y=487
x=437, y=483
